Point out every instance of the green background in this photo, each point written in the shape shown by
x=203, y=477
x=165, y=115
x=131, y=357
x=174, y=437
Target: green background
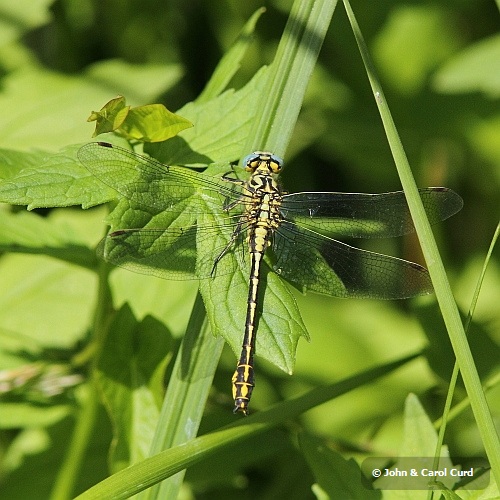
x=439, y=63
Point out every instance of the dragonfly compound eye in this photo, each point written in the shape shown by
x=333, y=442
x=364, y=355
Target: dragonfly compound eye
x=274, y=163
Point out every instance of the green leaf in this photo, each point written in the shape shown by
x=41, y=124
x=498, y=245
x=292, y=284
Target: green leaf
x=30, y=233
x=231, y=61
x=221, y=127
x=139, y=82
x=419, y=434
x=149, y=123
x=58, y=180
x=279, y=323
x=129, y=373
x=152, y=123
x=12, y=162
x=475, y=69
x=34, y=448
x=18, y=415
x=47, y=300
x=52, y=113
x=110, y=117
x=424, y=31
x=336, y=476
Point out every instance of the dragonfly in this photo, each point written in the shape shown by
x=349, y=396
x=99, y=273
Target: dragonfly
x=256, y=224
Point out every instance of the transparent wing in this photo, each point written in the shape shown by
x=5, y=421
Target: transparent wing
x=360, y=215
x=320, y=264
x=146, y=182
x=191, y=252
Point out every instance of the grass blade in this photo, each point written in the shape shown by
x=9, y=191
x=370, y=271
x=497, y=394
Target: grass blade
x=442, y=288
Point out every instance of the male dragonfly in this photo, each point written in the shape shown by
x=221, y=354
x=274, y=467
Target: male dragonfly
x=256, y=218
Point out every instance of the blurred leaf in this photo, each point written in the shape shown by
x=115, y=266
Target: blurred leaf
x=46, y=300
x=29, y=233
x=40, y=449
x=474, y=69
x=19, y=415
x=419, y=442
x=423, y=34
x=420, y=437
x=231, y=61
x=12, y=162
x=440, y=353
x=337, y=477
x=130, y=373
x=139, y=82
x=52, y=113
x=16, y=18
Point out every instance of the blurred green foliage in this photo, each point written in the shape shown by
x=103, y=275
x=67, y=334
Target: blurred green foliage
x=439, y=63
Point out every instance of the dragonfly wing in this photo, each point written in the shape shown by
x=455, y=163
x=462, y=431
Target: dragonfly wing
x=176, y=253
x=146, y=182
x=169, y=254
x=360, y=215
x=320, y=264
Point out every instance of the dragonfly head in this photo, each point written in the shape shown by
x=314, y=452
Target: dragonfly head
x=263, y=161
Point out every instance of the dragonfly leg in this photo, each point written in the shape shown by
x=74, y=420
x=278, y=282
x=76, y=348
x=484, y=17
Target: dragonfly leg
x=226, y=178
x=229, y=206
x=236, y=233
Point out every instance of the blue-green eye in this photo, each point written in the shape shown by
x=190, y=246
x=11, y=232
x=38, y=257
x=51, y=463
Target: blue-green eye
x=262, y=156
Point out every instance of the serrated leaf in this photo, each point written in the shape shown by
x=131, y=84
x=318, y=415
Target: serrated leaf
x=279, y=323
x=58, y=180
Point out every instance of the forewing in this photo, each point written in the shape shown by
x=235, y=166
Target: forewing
x=360, y=215
x=148, y=183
